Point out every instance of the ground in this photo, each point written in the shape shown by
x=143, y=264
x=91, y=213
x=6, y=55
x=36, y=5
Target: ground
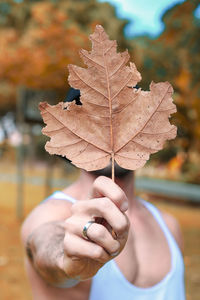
x=13, y=280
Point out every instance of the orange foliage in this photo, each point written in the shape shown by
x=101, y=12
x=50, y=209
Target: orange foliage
x=175, y=163
x=174, y=56
x=183, y=80
x=38, y=58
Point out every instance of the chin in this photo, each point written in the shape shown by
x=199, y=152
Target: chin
x=107, y=171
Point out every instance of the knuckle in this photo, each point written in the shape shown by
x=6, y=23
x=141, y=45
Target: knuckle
x=76, y=207
x=67, y=246
x=105, y=203
x=80, y=207
x=115, y=246
x=118, y=196
x=69, y=225
x=99, y=233
x=98, y=181
x=97, y=253
x=122, y=226
x=128, y=222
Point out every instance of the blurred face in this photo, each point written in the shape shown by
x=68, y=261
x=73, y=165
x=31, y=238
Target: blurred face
x=107, y=171
x=120, y=173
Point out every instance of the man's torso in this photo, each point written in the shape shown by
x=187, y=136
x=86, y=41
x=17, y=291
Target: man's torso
x=144, y=262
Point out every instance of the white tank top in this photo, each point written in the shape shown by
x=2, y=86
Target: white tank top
x=110, y=284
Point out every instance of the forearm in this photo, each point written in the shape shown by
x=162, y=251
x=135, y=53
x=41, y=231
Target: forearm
x=44, y=248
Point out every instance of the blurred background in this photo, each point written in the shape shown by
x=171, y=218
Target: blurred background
x=38, y=39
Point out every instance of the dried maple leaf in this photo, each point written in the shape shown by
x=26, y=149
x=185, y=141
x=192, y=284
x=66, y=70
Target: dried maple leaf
x=115, y=120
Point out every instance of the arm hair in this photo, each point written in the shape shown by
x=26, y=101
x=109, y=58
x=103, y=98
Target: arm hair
x=44, y=248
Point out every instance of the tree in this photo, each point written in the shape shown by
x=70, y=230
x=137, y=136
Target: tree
x=38, y=39
x=174, y=56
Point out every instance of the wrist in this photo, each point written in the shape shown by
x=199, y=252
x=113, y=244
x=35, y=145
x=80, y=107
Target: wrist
x=44, y=248
x=63, y=280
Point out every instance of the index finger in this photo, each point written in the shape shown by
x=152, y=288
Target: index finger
x=105, y=187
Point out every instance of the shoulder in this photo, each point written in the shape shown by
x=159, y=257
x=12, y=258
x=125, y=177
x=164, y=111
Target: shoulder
x=174, y=227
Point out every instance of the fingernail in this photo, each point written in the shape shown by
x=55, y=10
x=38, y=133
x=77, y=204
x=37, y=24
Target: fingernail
x=124, y=206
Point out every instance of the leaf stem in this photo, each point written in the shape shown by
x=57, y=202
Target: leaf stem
x=110, y=111
x=113, y=167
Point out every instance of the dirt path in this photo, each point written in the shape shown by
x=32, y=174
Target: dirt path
x=12, y=276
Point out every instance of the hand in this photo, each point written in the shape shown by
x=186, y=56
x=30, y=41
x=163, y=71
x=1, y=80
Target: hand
x=82, y=257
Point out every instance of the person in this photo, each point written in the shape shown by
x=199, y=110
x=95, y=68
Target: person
x=96, y=240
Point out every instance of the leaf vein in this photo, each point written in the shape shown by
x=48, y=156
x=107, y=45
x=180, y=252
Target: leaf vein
x=115, y=71
x=92, y=87
x=75, y=133
x=120, y=110
x=83, y=150
x=147, y=120
x=163, y=110
x=150, y=133
x=131, y=157
x=145, y=147
x=96, y=63
x=67, y=145
x=92, y=160
x=113, y=44
x=122, y=87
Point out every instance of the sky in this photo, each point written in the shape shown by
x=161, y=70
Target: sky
x=197, y=12
x=144, y=15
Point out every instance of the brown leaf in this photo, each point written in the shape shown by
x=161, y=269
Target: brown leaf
x=115, y=119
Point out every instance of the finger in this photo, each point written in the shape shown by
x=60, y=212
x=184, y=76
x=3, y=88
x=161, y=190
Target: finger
x=104, y=208
x=101, y=236
x=75, y=246
x=105, y=187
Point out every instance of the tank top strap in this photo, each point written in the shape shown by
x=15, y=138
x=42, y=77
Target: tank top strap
x=157, y=215
x=174, y=248
x=60, y=196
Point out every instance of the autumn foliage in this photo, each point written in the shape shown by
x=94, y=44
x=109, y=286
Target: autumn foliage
x=37, y=46
x=39, y=38
x=37, y=58
x=175, y=55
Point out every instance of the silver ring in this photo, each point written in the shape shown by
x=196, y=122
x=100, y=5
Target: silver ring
x=85, y=229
